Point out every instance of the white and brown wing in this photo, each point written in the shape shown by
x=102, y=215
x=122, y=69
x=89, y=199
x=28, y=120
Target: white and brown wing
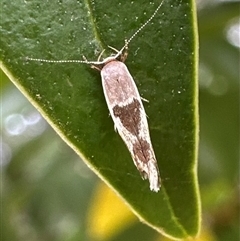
x=128, y=114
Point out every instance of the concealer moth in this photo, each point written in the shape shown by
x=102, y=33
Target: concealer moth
x=125, y=106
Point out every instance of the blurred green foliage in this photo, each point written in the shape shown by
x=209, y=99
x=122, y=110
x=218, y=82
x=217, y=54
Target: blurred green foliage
x=42, y=200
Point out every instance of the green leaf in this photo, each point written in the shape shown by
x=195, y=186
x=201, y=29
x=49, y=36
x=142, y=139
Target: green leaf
x=163, y=62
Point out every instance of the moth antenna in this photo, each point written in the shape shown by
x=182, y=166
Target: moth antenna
x=85, y=61
x=144, y=25
x=58, y=61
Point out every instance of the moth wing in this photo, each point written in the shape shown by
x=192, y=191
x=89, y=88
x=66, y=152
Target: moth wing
x=128, y=114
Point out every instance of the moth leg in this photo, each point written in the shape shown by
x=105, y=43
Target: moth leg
x=115, y=128
x=124, y=51
x=96, y=67
x=145, y=100
x=100, y=55
x=117, y=51
x=143, y=174
x=84, y=58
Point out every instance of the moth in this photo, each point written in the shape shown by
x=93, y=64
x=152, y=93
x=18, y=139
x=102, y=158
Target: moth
x=125, y=106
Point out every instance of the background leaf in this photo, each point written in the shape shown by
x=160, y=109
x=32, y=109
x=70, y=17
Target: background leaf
x=163, y=60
